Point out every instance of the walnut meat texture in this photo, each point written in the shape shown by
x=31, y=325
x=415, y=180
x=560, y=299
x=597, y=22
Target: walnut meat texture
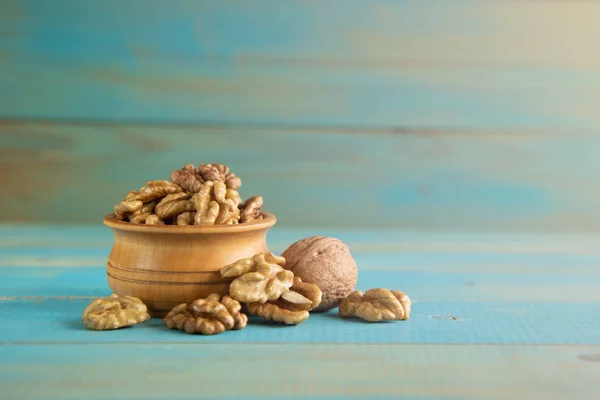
x=140, y=216
x=292, y=307
x=186, y=218
x=172, y=205
x=260, y=278
x=139, y=204
x=376, y=305
x=220, y=173
x=156, y=190
x=192, y=179
x=208, y=316
x=250, y=210
x=114, y=312
x=216, y=205
x=126, y=208
x=301, y=296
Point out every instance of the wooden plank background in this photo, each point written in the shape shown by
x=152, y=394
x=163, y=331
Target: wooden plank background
x=494, y=316
x=382, y=114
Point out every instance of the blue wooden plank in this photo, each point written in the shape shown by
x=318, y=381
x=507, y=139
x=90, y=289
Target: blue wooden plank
x=439, y=322
x=25, y=236
x=485, y=304
x=454, y=180
x=192, y=370
x=553, y=265
x=378, y=63
x=494, y=316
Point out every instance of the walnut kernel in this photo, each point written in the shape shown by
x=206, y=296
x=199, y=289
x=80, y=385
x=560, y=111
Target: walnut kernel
x=208, y=316
x=215, y=205
x=173, y=205
x=293, y=305
x=301, y=296
x=376, y=305
x=187, y=178
x=153, y=219
x=114, y=312
x=156, y=190
x=258, y=279
x=250, y=210
x=186, y=218
x=192, y=179
x=139, y=218
x=273, y=312
x=220, y=173
x=126, y=208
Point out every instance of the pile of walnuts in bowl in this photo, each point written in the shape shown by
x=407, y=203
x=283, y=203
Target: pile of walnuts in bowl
x=314, y=274
x=207, y=195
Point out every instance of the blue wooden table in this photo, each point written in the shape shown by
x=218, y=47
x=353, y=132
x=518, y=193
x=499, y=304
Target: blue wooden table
x=435, y=117
x=494, y=316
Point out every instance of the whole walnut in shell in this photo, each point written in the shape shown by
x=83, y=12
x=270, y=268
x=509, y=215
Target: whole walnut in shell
x=325, y=262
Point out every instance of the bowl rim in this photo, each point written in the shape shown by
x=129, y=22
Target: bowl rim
x=268, y=221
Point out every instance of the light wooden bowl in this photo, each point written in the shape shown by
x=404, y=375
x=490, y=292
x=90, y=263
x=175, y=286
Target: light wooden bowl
x=166, y=265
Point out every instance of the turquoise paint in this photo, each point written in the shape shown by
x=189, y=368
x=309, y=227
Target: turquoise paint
x=382, y=64
x=452, y=179
x=262, y=371
x=501, y=297
x=431, y=323
x=517, y=316
x=429, y=285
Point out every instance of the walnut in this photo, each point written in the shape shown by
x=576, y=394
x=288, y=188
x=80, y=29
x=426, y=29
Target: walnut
x=192, y=179
x=376, y=305
x=220, y=173
x=293, y=305
x=207, y=316
x=173, y=205
x=273, y=312
x=139, y=217
x=156, y=189
x=153, y=219
x=258, y=279
x=301, y=296
x=216, y=205
x=188, y=178
x=114, y=312
x=186, y=218
x=126, y=208
x=131, y=196
x=133, y=205
x=250, y=210
x=149, y=207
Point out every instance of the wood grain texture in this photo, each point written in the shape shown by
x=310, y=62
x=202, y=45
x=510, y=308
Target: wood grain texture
x=511, y=319
x=380, y=63
x=450, y=179
x=298, y=371
x=461, y=295
x=493, y=320
x=165, y=266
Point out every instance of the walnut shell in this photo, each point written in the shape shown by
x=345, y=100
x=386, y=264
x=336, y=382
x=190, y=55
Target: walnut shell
x=325, y=262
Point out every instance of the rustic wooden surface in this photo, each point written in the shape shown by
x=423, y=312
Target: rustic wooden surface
x=464, y=114
x=476, y=180
x=528, y=63
x=411, y=130
x=495, y=316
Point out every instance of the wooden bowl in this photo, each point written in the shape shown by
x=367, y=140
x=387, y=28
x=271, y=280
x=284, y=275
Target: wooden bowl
x=166, y=265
